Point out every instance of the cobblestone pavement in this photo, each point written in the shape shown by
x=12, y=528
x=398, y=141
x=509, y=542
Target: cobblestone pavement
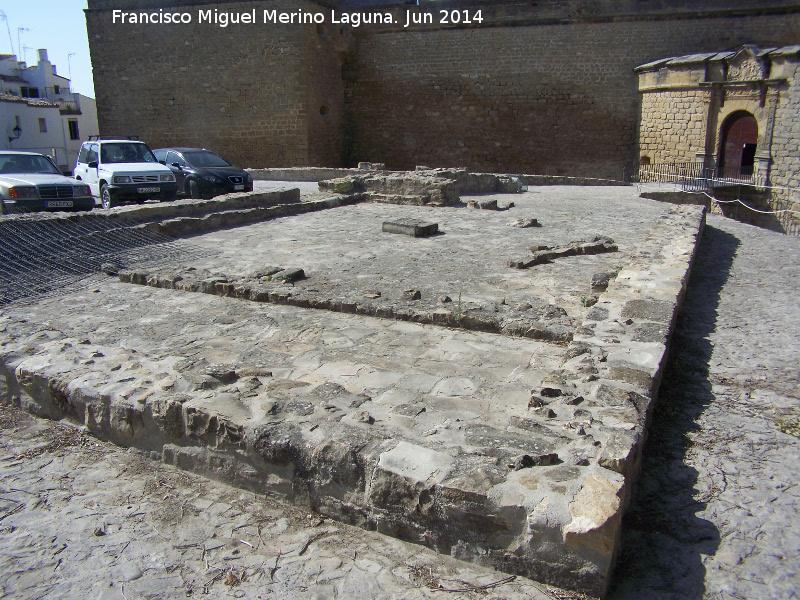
x=81, y=518
x=718, y=500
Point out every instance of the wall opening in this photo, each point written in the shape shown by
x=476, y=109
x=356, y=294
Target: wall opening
x=738, y=143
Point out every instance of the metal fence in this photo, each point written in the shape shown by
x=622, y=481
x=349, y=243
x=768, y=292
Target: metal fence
x=694, y=177
x=43, y=256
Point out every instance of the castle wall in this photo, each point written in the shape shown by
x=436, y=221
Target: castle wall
x=551, y=98
x=686, y=103
x=324, y=87
x=785, y=169
x=549, y=89
x=673, y=126
x=233, y=90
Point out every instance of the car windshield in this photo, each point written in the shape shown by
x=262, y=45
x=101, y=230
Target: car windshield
x=126, y=153
x=26, y=163
x=204, y=158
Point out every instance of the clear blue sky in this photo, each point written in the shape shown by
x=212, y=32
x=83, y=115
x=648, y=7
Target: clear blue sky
x=59, y=26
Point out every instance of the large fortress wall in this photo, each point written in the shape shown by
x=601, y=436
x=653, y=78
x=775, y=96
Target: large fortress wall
x=551, y=98
x=785, y=172
x=325, y=46
x=237, y=90
x=541, y=88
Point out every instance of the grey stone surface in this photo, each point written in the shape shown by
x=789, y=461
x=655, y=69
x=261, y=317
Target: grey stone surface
x=716, y=507
x=412, y=227
x=541, y=255
x=311, y=399
x=398, y=187
x=469, y=261
x=169, y=534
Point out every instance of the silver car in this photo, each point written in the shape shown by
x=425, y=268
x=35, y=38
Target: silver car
x=30, y=181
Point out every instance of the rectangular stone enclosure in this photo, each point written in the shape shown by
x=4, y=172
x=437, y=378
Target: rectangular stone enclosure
x=419, y=386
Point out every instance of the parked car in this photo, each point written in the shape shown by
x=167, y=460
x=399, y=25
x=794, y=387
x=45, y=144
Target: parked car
x=201, y=173
x=30, y=181
x=120, y=171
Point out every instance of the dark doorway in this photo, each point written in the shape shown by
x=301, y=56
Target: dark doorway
x=739, y=137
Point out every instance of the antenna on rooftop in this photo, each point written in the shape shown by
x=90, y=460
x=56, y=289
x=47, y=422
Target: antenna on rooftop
x=10, y=40
x=69, y=69
x=19, y=43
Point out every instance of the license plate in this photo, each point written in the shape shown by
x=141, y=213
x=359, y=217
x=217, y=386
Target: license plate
x=148, y=190
x=59, y=204
x=238, y=187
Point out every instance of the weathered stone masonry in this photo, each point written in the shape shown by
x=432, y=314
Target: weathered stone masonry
x=243, y=92
x=547, y=89
x=690, y=105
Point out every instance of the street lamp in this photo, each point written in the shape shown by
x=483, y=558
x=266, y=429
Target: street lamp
x=17, y=131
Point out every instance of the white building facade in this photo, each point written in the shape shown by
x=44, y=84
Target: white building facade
x=39, y=112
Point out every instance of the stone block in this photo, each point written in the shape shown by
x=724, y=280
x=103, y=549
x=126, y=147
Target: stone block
x=596, y=516
x=649, y=310
x=413, y=227
x=619, y=452
x=405, y=472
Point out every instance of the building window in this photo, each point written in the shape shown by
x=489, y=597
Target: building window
x=42, y=125
x=56, y=89
x=73, y=129
x=29, y=92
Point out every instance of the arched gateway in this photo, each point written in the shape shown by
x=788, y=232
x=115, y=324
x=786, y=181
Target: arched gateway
x=738, y=144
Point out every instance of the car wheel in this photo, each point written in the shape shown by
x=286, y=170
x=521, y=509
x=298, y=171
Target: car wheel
x=194, y=189
x=105, y=197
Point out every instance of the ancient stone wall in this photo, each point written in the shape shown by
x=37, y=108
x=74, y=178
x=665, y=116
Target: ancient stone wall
x=553, y=99
x=785, y=171
x=547, y=89
x=228, y=89
x=673, y=126
x=686, y=103
x=325, y=45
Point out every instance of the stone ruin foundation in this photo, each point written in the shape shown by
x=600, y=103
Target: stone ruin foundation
x=452, y=389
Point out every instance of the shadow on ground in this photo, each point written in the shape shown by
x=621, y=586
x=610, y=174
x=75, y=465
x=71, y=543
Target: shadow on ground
x=663, y=540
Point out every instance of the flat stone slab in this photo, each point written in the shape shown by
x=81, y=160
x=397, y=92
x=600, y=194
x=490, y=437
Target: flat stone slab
x=413, y=227
x=416, y=431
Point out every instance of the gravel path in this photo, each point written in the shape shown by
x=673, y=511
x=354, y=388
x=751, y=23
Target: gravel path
x=717, y=509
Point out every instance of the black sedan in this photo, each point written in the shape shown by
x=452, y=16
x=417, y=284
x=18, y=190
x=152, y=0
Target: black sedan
x=202, y=174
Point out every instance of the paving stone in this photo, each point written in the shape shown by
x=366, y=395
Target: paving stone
x=717, y=472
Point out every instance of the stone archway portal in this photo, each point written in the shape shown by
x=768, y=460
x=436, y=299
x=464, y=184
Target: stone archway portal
x=738, y=148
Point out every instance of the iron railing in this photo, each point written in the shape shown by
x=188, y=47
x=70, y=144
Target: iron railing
x=694, y=177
